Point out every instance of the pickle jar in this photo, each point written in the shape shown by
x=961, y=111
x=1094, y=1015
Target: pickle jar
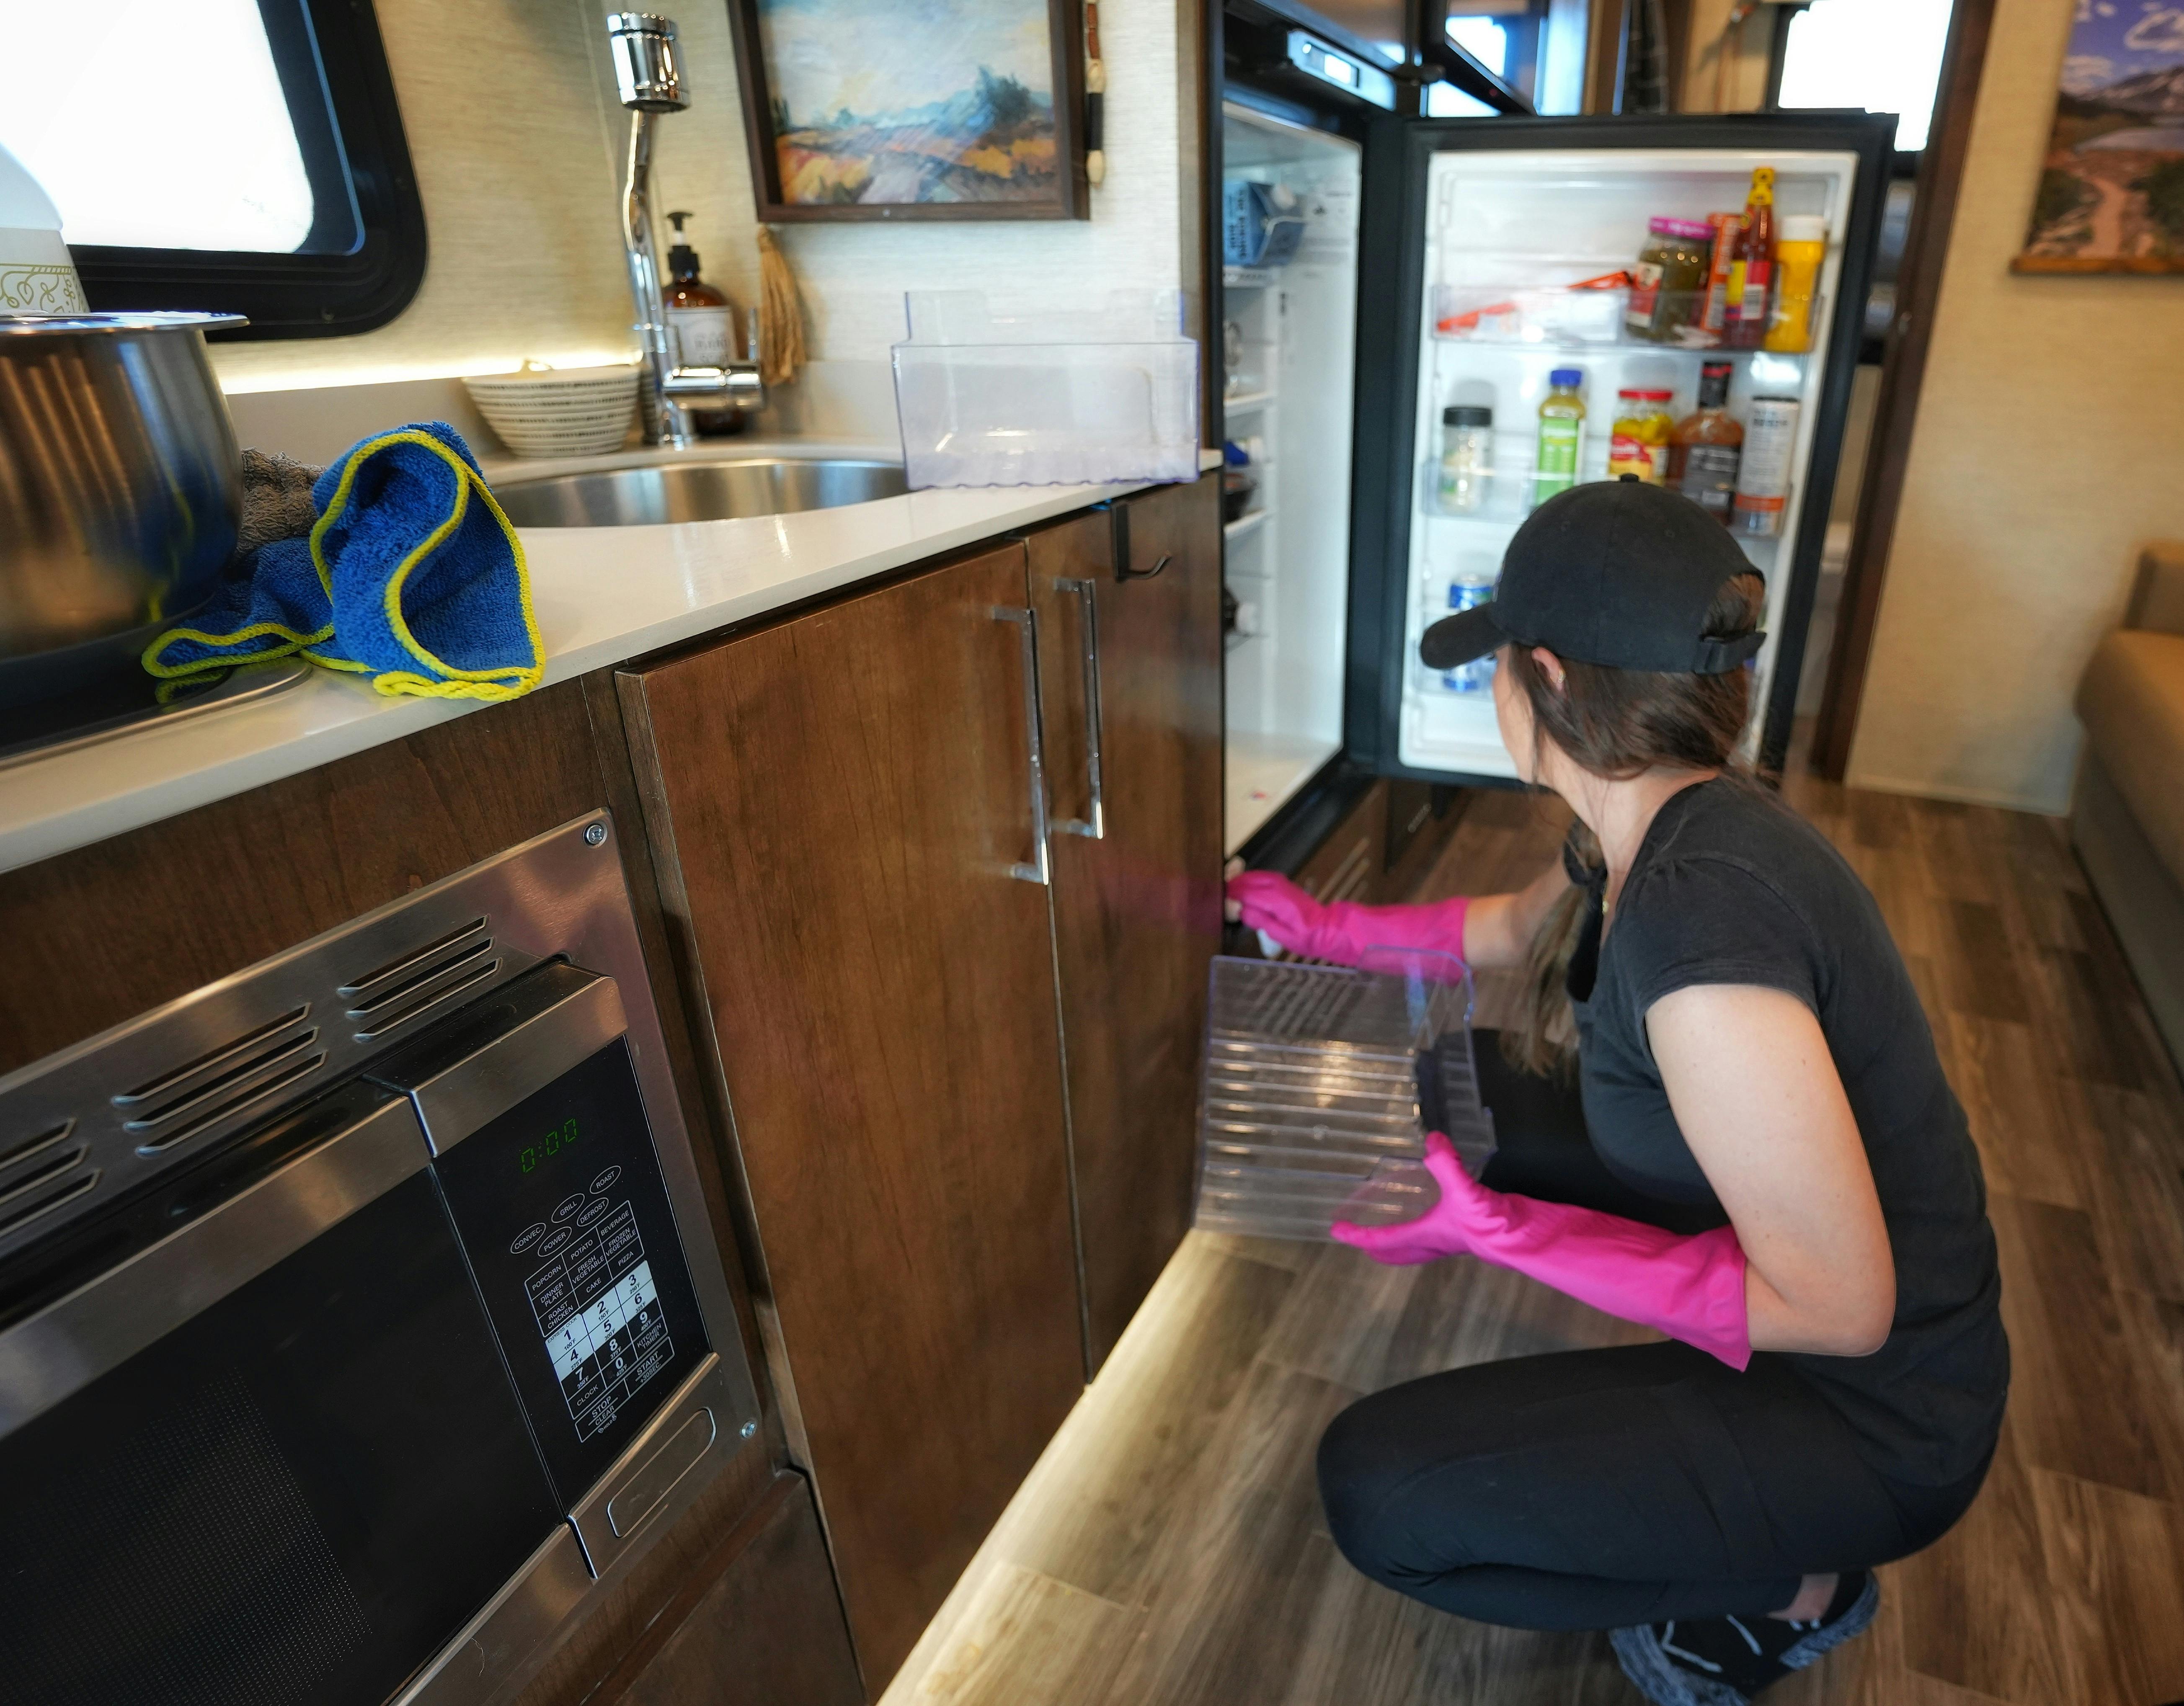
x=1669, y=284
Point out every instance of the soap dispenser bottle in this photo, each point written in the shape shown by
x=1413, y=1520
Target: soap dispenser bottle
x=703, y=323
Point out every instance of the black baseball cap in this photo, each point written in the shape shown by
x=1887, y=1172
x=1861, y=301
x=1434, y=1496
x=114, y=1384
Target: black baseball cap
x=1616, y=572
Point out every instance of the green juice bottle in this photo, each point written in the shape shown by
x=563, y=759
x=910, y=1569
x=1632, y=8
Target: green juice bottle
x=1561, y=433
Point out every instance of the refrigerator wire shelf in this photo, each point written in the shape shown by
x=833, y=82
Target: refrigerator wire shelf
x=1320, y=1084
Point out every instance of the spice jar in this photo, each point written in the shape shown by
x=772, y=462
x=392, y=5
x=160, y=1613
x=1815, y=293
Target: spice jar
x=1467, y=457
x=1669, y=284
x=1642, y=431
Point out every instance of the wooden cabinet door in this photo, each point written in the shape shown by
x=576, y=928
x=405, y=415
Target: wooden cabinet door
x=842, y=800
x=757, y=1624
x=1137, y=910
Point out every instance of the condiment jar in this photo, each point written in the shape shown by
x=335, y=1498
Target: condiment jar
x=1798, y=252
x=1642, y=430
x=1467, y=457
x=1669, y=283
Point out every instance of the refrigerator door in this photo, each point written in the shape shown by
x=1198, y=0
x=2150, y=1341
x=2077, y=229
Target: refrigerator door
x=1474, y=233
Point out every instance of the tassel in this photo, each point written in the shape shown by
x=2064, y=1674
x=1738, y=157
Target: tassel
x=781, y=314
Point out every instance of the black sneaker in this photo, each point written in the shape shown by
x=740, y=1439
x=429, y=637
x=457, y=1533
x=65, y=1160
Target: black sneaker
x=1727, y=1661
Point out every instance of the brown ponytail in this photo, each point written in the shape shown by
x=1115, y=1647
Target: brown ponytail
x=1618, y=724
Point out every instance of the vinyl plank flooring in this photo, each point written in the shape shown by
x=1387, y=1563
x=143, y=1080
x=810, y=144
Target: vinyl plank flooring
x=1463, y=1311
x=1135, y=1441
x=1339, y=1317
x=1027, y=1636
x=1232, y=1590
x=1170, y=1547
x=2153, y=1327
x=1367, y=1646
x=2020, y=1110
x=1290, y=1253
x=2088, y=1005
x=2131, y=1160
x=1980, y=972
x=1975, y=1611
x=2075, y=1400
x=2113, y=1564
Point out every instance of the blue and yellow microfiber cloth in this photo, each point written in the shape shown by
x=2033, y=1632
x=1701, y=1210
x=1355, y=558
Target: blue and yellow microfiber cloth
x=412, y=575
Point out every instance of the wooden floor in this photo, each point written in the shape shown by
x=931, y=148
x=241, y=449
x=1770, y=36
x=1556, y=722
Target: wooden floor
x=1169, y=1548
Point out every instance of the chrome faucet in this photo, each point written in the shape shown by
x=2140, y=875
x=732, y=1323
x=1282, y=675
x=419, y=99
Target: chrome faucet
x=651, y=82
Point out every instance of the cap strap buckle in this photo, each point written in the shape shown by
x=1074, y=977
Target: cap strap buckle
x=1717, y=656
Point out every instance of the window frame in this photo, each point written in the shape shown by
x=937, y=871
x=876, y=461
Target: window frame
x=352, y=144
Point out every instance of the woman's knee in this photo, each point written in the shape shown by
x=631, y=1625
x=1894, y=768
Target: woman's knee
x=1362, y=1470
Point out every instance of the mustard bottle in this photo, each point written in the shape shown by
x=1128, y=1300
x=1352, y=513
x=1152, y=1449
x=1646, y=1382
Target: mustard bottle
x=1798, y=252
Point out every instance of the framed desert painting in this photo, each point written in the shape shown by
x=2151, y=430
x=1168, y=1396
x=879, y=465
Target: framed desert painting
x=2111, y=196
x=912, y=109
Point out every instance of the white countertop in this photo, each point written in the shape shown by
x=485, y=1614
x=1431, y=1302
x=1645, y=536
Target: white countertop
x=602, y=595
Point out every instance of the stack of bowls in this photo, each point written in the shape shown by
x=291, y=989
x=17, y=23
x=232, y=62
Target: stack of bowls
x=541, y=411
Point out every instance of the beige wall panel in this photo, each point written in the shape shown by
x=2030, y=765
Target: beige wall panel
x=2049, y=441
x=505, y=105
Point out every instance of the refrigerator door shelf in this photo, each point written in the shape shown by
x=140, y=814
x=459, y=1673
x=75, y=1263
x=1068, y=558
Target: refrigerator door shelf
x=1482, y=214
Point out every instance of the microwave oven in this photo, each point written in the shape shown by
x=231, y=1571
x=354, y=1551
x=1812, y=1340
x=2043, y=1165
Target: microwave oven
x=360, y=1322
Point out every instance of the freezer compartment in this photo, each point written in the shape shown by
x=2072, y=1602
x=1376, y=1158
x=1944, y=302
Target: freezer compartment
x=1288, y=340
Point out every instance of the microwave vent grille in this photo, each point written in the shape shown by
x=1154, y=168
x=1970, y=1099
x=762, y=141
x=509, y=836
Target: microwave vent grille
x=388, y=997
x=209, y=1090
x=44, y=1172
x=95, y=1123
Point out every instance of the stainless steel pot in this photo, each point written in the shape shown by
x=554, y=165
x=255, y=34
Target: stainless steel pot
x=120, y=490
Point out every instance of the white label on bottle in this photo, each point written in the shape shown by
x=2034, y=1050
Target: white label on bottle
x=703, y=336
x=1770, y=438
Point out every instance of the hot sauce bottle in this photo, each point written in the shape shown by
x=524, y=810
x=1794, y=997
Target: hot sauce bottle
x=1752, y=273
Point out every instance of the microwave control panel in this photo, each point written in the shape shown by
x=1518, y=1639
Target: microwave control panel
x=564, y=1215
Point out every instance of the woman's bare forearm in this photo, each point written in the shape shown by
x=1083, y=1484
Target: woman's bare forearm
x=1499, y=928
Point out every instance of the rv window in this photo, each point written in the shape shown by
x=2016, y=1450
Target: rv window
x=238, y=155
x=1882, y=55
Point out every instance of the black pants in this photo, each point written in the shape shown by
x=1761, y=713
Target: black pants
x=1599, y=1489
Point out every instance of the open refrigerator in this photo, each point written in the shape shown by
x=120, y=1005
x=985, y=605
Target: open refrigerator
x=1467, y=235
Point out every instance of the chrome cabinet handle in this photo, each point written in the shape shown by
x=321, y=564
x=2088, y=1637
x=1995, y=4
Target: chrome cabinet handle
x=1039, y=870
x=1093, y=826
x=1118, y=528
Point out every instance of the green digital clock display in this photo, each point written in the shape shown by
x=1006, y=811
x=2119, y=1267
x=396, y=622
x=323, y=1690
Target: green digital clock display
x=533, y=1155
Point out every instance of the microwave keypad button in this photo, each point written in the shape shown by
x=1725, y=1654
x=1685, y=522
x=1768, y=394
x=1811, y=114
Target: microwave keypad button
x=605, y=1182
x=526, y=1238
x=592, y=1210
x=598, y=1312
x=557, y=1241
x=566, y=1208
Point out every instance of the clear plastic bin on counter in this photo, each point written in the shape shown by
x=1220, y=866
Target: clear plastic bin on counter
x=1319, y=1085
x=1053, y=396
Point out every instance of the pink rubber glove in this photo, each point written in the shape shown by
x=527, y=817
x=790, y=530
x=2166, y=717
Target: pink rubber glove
x=1691, y=1288
x=1344, y=931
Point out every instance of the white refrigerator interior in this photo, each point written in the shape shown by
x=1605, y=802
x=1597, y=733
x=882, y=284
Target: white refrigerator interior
x=1511, y=231
x=1289, y=348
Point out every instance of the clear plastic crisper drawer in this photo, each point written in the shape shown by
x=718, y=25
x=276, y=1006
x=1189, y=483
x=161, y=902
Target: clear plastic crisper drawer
x=1556, y=315
x=1051, y=397
x=1320, y=1084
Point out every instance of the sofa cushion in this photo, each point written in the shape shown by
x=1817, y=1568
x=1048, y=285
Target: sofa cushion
x=2131, y=701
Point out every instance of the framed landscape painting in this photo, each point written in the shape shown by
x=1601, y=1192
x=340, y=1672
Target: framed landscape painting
x=912, y=109
x=2111, y=196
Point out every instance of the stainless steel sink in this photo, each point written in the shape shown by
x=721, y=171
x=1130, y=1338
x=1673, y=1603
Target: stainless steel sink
x=723, y=491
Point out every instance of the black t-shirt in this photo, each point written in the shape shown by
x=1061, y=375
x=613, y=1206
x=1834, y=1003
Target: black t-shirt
x=1732, y=887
